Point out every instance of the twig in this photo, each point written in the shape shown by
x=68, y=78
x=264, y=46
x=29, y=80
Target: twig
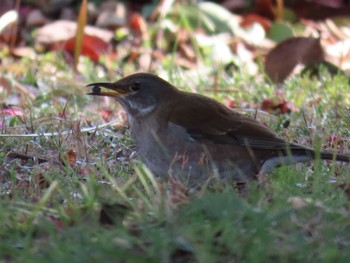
x=86, y=129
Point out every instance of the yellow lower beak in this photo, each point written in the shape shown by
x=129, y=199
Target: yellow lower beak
x=96, y=89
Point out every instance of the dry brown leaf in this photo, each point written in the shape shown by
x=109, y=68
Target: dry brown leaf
x=281, y=60
x=71, y=157
x=62, y=30
x=24, y=52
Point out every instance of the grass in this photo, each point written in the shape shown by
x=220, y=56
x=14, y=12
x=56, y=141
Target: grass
x=87, y=204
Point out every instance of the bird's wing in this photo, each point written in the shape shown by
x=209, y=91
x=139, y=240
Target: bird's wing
x=208, y=120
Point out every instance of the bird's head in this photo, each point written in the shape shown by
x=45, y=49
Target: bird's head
x=139, y=94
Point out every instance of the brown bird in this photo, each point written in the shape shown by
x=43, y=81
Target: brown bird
x=193, y=137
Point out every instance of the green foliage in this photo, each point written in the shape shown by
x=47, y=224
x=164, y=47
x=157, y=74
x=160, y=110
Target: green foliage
x=280, y=31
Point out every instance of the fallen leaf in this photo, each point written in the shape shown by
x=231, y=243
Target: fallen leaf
x=106, y=114
x=23, y=52
x=62, y=30
x=71, y=157
x=280, y=31
x=277, y=105
x=249, y=19
x=112, y=15
x=92, y=47
x=281, y=60
x=36, y=18
x=138, y=24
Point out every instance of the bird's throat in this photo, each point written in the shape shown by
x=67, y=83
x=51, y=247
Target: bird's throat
x=137, y=109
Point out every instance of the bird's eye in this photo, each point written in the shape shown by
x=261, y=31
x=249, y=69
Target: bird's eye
x=135, y=86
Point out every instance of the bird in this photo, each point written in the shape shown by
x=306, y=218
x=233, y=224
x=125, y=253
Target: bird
x=193, y=138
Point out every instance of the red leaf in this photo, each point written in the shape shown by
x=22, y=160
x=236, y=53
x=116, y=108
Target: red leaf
x=71, y=157
x=10, y=111
x=138, y=24
x=249, y=19
x=106, y=115
x=92, y=47
x=277, y=105
x=231, y=104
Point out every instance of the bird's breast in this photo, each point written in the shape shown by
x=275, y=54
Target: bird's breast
x=167, y=148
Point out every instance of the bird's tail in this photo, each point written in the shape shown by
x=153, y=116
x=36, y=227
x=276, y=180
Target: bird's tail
x=300, y=154
x=322, y=155
x=335, y=156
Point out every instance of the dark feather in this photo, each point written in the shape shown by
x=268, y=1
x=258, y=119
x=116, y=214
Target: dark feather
x=211, y=121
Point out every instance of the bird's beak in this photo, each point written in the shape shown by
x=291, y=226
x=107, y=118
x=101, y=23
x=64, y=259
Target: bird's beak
x=113, y=90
